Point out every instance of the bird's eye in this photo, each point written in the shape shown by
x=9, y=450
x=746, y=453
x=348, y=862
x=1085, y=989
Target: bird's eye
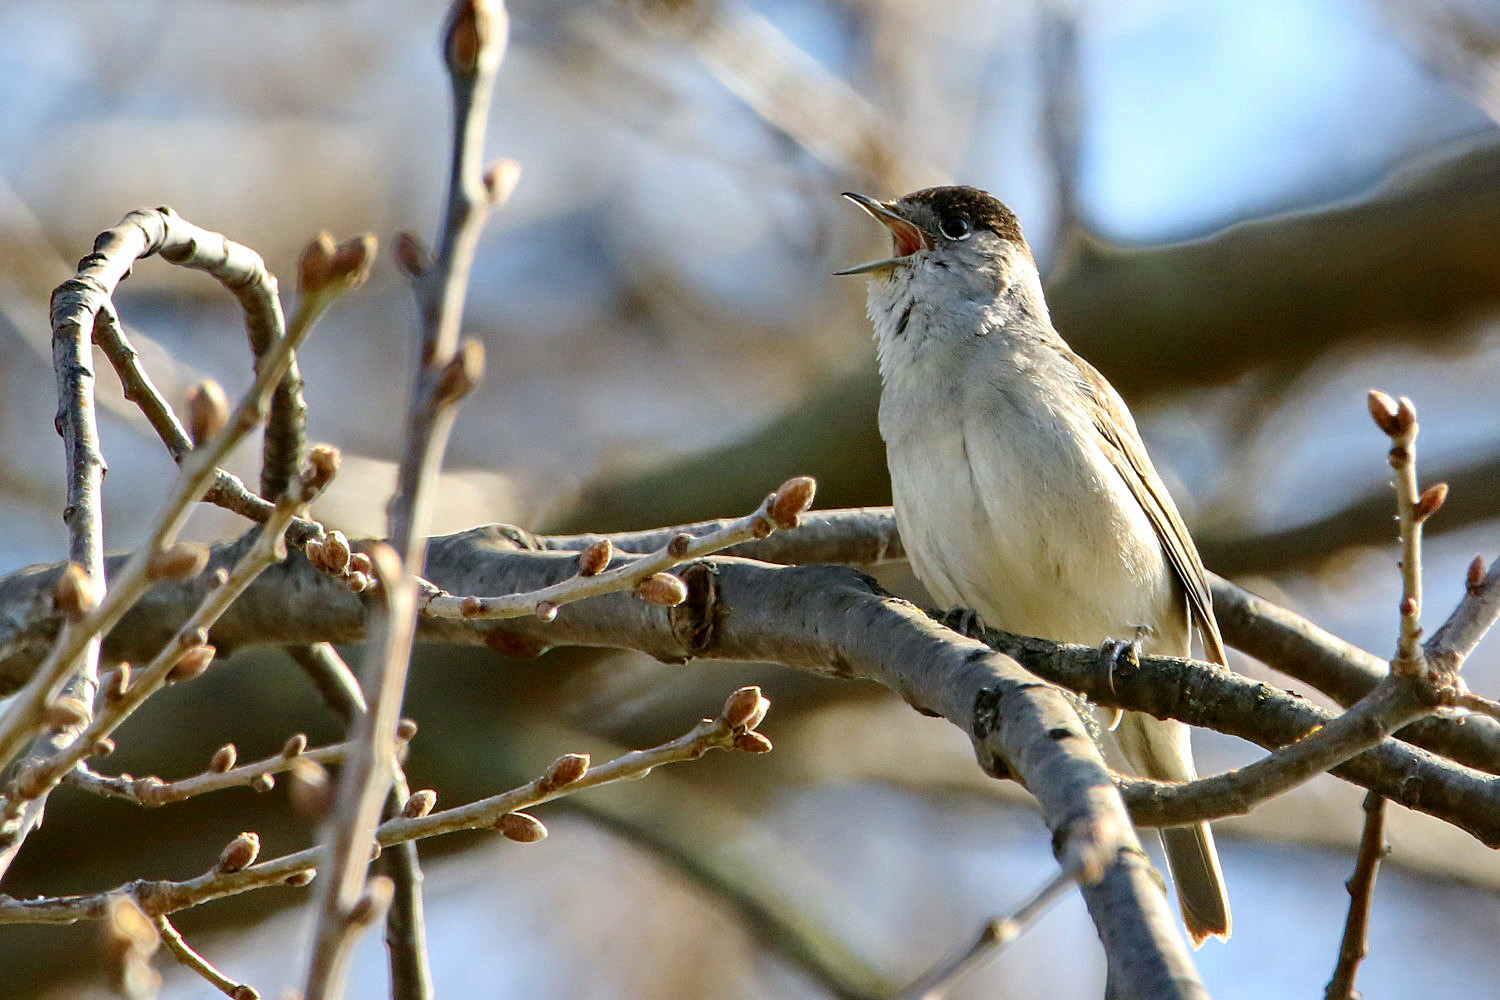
x=955, y=227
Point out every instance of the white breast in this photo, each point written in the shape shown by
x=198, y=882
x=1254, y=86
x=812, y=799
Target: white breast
x=1005, y=501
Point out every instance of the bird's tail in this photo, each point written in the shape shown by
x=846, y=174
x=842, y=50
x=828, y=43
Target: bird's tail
x=1159, y=748
x=1200, y=882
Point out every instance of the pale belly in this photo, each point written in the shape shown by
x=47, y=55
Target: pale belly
x=1006, y=515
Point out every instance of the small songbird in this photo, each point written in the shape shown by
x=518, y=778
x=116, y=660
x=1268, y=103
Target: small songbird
x=1022, y=488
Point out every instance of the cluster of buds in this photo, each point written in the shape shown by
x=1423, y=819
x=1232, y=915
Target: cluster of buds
x=332, y=555
x=743, y=711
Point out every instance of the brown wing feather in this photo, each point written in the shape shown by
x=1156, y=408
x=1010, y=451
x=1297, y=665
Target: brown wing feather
x=1122, y=443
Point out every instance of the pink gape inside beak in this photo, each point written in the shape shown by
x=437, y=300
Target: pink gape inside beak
x=906, y=238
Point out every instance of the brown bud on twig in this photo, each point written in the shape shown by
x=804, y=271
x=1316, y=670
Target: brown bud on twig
x=218, y=577
x=372, y=905
x=76, y=595
x=792, y=500
x=102, y=747
x=523, y=828
x=476, y=33
x=1431, y=501
x=470, y=606
x=762, y=526
x=262, y=783
x=565, y=770
x=351, y=261
x=420, y=803
x=149, y=791
x=359, y=562
x=1383, y=412
x=309, y=788
x=336, y=553
x=223, y=759
x=1474, y=579
x=295, y=744
x=322, y=466
x=593, y=559
x=313, y=267
x=1408, y=607
x=461, y=374
x=406, y=729
x=358, y=582
x=1406, y=415
x=191, y=665
x=545, y=610
x=662, y=588
x=190, y=637
x=745, y=708
x=239, y=854
x=298, y=879
x=679, y=545
x=752, y=742
x=208, y=411
x=178, y=561
x=116, y=684
x=500, y=180
x=411, y=258
x=244, y=991
x=66, y=713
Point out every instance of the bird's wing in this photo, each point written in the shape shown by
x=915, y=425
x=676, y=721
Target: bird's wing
x=1122, y=443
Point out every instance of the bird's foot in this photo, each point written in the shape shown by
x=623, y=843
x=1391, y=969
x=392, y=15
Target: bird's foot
x=965, y=621
x=1111, y=652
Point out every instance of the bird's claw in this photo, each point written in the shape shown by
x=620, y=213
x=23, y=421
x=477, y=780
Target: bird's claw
x=965, y=621
x=1111, y=652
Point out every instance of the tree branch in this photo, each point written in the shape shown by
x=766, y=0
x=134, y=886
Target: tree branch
x=732, y=729
x=1361, y=886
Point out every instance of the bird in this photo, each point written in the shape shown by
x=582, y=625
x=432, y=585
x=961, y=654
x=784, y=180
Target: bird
x=1022, y=488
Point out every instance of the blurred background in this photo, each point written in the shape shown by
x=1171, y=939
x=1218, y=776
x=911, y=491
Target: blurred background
x=1248, y=214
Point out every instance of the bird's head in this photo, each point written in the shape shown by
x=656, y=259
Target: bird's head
x=962, y=230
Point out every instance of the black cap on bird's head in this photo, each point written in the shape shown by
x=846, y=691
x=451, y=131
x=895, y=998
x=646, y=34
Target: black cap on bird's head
x=932, y=217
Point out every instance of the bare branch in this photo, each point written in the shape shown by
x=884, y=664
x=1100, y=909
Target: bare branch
x=473, y=44
x=181, y=658
x=152, y=791
x=1361, y=886
x=186, y=956
x=564, y=777
x=993, y=936
x=781, y=509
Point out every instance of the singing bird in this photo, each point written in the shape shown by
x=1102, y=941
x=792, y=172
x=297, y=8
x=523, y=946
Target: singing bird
x=1023, y=490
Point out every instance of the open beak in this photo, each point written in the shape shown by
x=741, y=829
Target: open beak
x=906, y=238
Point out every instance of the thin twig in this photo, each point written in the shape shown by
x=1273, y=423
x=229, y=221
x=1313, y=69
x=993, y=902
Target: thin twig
x=1361, y=885
x=781, y=509
x=1398, y=418
x=1390, y=706
x=993, y=936
x=473, y=44
x=734, y=728
x=38, y=777
x=185, y=955
x=152, y=791
x=23, y=716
